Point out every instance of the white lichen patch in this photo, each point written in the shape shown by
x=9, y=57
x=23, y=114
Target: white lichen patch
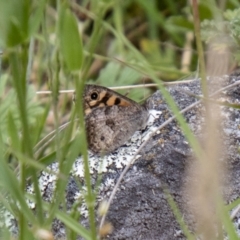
x=47, y=179
x=153, y=115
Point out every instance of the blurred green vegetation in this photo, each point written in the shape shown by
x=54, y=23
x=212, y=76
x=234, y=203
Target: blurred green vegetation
x=118, y=43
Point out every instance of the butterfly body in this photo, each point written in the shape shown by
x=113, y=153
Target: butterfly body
x=110, y=118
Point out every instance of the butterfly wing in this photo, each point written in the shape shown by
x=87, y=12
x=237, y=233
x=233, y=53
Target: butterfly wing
x=99, y=97
x=110, y=127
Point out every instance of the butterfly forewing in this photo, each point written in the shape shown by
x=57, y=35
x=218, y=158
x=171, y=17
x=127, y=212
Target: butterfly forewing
x=97, y=96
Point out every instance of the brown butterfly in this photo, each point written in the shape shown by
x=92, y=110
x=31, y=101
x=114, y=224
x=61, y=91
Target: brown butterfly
x=110, y=118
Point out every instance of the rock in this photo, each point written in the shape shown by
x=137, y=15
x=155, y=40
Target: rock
x=140, y=208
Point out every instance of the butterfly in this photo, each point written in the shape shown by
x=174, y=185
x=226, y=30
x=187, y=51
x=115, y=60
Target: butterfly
x=110, y=118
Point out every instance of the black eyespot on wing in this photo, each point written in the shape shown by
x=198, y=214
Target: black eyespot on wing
x=94, y=95
x=102, y=138
x=117, y=101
